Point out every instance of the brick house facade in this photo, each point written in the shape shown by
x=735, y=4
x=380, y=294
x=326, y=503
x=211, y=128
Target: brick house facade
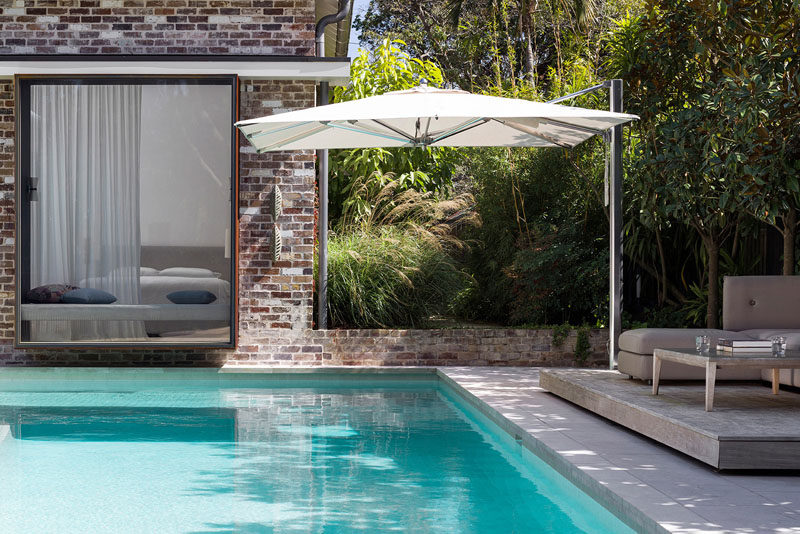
x=274, y=297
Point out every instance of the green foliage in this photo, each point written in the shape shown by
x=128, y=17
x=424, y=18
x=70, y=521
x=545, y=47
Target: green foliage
x=564, y=277
x=583, y=349
x=715, y=84
x=540, y=255
x=397, y=267
x=385, y=277
x=387, y=68
x=560, y=333
x=663, y=317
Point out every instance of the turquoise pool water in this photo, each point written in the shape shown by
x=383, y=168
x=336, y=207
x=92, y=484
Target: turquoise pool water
x=256, y=455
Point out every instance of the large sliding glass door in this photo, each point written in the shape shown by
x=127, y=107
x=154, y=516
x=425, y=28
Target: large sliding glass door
x=126, y=219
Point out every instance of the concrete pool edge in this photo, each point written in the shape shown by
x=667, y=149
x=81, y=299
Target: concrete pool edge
x=606, y=497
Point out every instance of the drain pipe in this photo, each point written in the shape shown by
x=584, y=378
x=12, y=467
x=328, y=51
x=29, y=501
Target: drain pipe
x=322, y=161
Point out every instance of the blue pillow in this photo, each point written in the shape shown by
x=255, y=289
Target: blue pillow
x=196, y=296
x=88, y=295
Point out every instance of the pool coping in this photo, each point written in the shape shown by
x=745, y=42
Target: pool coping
x=621, y=508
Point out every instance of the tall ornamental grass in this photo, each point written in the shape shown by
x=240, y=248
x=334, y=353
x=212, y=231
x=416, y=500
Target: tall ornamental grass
x=395, y=266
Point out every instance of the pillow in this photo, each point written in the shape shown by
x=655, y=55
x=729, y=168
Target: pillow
x=196, y=296
x=188, y=272
x=88, y=295
x=148, y=271
x=50, y=293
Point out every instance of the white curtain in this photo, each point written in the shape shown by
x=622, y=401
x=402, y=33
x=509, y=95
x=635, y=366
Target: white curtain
x=85, y=148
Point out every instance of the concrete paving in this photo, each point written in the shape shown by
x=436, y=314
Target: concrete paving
x=654, y=487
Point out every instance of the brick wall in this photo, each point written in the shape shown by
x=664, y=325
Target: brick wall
x=269, y=27
x=501, y=347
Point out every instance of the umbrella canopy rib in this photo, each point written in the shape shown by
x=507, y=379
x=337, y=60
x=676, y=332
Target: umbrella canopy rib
x=398, y=131
x=525, y=129
x=578, y=127
x=366, y=131
x=459, y=129
x=276, y=130
x=292, y=139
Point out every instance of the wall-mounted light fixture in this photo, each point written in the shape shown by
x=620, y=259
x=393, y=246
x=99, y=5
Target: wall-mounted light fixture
x=277, y=204
x=277, y=243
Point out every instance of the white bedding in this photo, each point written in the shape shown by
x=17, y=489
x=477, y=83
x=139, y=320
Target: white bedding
x=156, y=288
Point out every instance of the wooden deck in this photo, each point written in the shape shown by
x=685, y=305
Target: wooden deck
x=750, y=428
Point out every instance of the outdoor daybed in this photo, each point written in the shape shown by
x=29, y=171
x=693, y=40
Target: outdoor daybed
x=756, y=307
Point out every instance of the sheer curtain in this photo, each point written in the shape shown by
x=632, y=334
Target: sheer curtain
x=85, y=149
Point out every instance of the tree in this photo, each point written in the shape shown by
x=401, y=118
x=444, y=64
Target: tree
x=704, y=154
x=358, y=174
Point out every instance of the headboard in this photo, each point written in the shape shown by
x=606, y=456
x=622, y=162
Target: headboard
x=207, y=257
x=761, y=302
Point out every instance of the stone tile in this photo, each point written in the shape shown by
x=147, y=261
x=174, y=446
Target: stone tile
x=677, y=492
x=750, y=518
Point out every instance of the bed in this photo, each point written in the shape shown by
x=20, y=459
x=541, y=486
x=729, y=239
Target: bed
x=160, y=277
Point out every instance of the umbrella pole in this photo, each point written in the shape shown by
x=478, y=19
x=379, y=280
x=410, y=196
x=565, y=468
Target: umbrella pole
x=615, y=223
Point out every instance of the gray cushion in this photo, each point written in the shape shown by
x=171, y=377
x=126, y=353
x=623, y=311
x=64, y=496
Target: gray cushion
x=190, y=296
x=646, y=340
x=641, y=366
x=88, y=295
x=761, y=302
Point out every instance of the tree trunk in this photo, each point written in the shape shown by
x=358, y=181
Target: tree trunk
x=712, y=312
x=789, y=230
x=662, y=295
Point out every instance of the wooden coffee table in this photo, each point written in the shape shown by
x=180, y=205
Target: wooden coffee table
x=714, y=360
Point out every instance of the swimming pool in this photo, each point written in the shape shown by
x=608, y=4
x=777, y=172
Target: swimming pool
x=205, y=452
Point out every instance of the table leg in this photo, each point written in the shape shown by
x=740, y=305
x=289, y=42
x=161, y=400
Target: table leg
x=711, y=376
x=656, y=373
x=776, y=381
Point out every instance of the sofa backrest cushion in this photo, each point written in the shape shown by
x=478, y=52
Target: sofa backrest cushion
x=761, y=302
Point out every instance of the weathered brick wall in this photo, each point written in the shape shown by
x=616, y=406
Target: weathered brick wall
x=438, y=347
x=269, y=27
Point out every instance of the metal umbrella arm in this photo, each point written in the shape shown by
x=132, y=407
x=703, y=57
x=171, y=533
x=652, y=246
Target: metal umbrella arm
x=614, y=214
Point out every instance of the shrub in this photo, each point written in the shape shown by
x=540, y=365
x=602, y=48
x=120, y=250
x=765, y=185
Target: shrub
x=389, y=277
x=394, y=266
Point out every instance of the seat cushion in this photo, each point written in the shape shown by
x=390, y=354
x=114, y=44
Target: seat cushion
x=761, y=302
x=641, y=366
x=646, y=340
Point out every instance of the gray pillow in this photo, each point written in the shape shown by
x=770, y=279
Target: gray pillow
x=192, y=296
x=88, y=295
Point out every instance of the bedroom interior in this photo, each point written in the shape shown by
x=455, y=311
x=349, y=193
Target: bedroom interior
x=127, y=221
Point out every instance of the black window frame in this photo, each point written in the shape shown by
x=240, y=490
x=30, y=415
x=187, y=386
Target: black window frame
x=22, y=86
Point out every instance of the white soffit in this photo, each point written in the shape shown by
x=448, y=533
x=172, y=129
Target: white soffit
x=334, y=72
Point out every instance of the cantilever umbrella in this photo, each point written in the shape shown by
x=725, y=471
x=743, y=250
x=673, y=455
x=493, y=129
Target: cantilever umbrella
x=426, y=116
x=430, y=117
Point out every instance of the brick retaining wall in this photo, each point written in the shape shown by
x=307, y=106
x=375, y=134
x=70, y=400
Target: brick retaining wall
x=440, y=347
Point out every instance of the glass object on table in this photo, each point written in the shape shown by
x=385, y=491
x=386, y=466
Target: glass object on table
x=702, y=344
x=779, y=346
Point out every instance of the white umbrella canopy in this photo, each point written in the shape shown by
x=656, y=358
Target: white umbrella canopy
x=427, y=116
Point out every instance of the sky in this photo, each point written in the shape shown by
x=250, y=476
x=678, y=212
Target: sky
x=359, y=6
